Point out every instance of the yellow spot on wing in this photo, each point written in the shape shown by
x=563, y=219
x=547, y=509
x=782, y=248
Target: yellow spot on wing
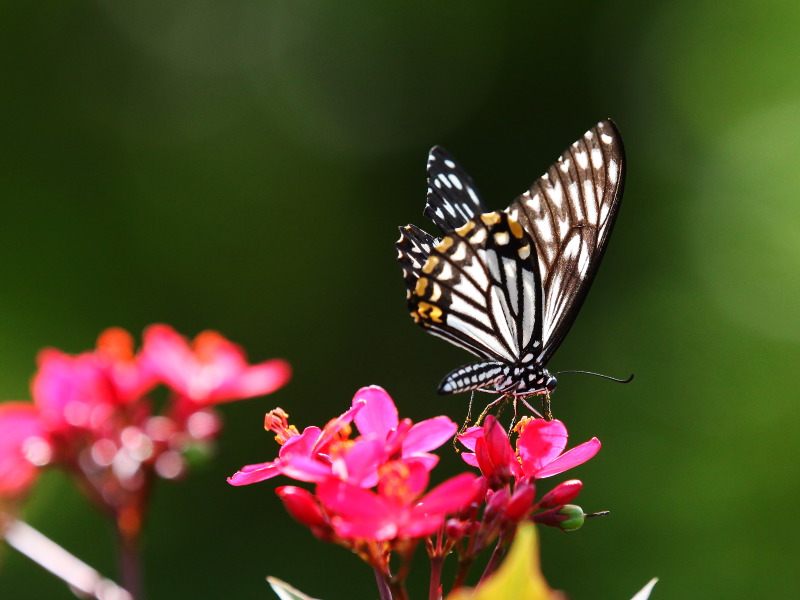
x=444, y=245
x=516, y=228
x=422, y=283
x=492, y=218
x=430, y=312
x=430, y=265
x=466, y=228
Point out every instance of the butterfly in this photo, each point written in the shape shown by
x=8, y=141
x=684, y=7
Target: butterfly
x=507, y=285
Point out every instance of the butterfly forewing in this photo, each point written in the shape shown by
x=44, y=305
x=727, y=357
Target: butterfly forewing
x=452, y=198
x=569, y=212
x=507, y=286
x=413, y=249
x=480, y=289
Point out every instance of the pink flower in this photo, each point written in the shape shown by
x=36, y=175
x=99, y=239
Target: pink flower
x=73, y=391
x=398, y=509
x=84, y=391
x=304, y=456
x=23, y=447
x=317, y=454
x=400, y=439
x=540, y=445
x=210, y=370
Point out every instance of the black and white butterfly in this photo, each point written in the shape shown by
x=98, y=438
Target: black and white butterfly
x=507, y=286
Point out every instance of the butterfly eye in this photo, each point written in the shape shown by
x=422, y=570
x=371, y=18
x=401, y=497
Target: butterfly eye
x=550, y=384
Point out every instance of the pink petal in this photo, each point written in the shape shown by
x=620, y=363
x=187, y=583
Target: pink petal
x=539, y=443
x=470, y=436
x=499, y=447
x=303, y=444
x=20, y=427
x=449, y=496
x=428, y=461
x=357, y=513
x=254, y=473
x=379, y=415
x=572, y=458
x=360, y=464
x=334, y=426
x=420, y=525
x=428, y=435
x=470, y=459
x=257, y=380
x=304, y=468
x=168, y=354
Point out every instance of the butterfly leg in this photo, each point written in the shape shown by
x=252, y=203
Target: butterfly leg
x=466, y=422
x=548, y=415
x=490, y=406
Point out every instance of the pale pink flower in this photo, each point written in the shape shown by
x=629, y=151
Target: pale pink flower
x=211, y=369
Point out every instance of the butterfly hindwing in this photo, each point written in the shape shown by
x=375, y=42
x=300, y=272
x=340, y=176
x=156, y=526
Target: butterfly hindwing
x=452, y=198
x=481, y=290
x=569, y=212
x=507, y=286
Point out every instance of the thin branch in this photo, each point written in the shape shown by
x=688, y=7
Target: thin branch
x=70, y=569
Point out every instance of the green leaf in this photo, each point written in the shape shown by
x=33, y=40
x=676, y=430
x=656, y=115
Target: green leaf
x=285, y=591
x=519, y=577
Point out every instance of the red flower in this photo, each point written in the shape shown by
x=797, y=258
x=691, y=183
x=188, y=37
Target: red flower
x=210, y=370
x=398, y=509
x=540, y=445
x=23, y=447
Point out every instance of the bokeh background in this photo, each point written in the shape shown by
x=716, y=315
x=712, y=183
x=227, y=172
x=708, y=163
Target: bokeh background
x=244, y=165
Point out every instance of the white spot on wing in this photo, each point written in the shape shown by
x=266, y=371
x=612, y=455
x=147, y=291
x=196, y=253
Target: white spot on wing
x=597, y=158
x=449, y=163
x=478, y=237
x=613, y=171
x=583, y=159
x=545, y=230
x=455, y=181
x=460, y=253
x=556, y=194
x=501, y=238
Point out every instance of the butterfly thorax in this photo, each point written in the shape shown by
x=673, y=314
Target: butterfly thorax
x=526, y=380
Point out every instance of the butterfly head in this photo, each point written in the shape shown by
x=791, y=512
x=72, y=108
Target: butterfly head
x=532, y=380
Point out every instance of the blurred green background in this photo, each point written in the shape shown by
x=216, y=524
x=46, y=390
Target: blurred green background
x=244, y=165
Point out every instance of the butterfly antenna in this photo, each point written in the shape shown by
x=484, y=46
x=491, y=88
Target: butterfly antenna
x=628, y=380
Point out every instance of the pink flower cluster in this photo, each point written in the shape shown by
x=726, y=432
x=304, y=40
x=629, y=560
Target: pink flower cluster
x=371, y=487
x=92, y=413
x=510, y=473
x=370, y=493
